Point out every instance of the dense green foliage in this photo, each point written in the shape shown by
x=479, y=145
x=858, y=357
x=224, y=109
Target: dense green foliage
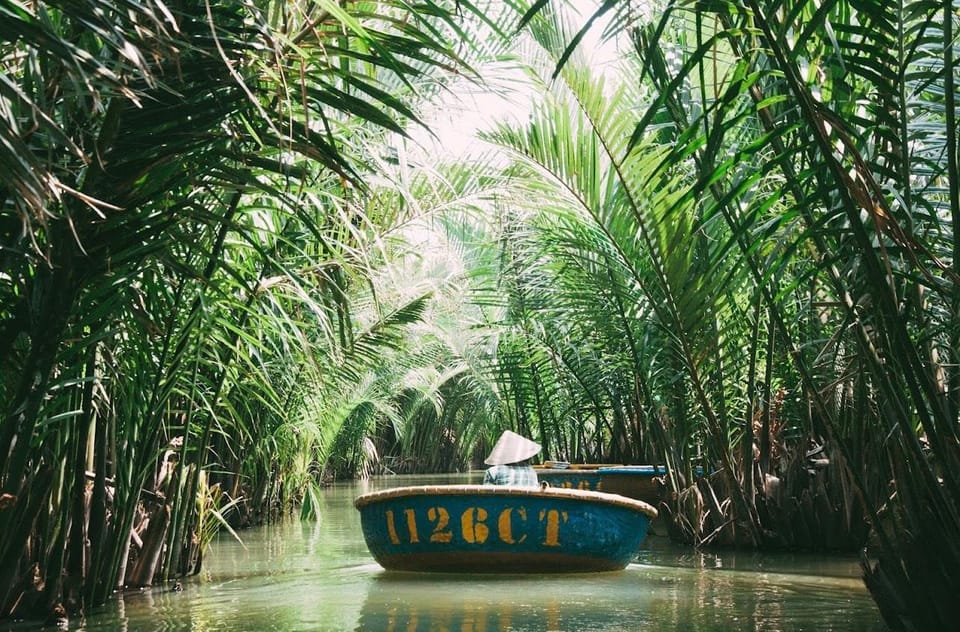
x=766, y=263
x=226, y=277
x=185, y=220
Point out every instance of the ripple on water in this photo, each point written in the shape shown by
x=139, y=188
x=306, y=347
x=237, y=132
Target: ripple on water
x=319, y=576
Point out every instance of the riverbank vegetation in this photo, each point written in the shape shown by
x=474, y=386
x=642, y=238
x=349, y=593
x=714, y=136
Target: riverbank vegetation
x=228, y=275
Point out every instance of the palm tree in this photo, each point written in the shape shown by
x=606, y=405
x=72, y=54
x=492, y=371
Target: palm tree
x=654, y=355
x=163, y=167
x=427, y=403
x=823, y=137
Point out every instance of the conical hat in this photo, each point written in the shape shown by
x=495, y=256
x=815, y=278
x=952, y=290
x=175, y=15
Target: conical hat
x=511, y=448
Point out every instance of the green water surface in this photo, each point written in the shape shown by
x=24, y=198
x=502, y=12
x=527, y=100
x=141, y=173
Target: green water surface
x=319, y=576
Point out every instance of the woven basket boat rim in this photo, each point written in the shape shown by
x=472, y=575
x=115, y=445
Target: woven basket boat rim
x=602, y=498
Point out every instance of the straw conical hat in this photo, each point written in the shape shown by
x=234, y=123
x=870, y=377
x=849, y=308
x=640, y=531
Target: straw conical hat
x=511, y=448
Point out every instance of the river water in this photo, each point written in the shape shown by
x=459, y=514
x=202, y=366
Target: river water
x=320, y=576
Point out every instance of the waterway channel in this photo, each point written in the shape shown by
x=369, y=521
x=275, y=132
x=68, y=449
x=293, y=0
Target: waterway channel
x=319, y=576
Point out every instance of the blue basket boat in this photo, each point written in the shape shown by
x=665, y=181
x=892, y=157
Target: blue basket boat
x=641, y=482
x=498, y=529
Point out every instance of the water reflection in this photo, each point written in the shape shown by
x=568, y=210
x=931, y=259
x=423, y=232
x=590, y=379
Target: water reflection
x=320, y=576
x=640, y=596
x=405, y=602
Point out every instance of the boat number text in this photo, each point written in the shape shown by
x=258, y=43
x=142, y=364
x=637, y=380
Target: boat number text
x=474, y=525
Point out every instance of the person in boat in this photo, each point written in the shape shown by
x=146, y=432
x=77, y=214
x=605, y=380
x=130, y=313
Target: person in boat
x=509, y=461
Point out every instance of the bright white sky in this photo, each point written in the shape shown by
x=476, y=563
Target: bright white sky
x=470, y=108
